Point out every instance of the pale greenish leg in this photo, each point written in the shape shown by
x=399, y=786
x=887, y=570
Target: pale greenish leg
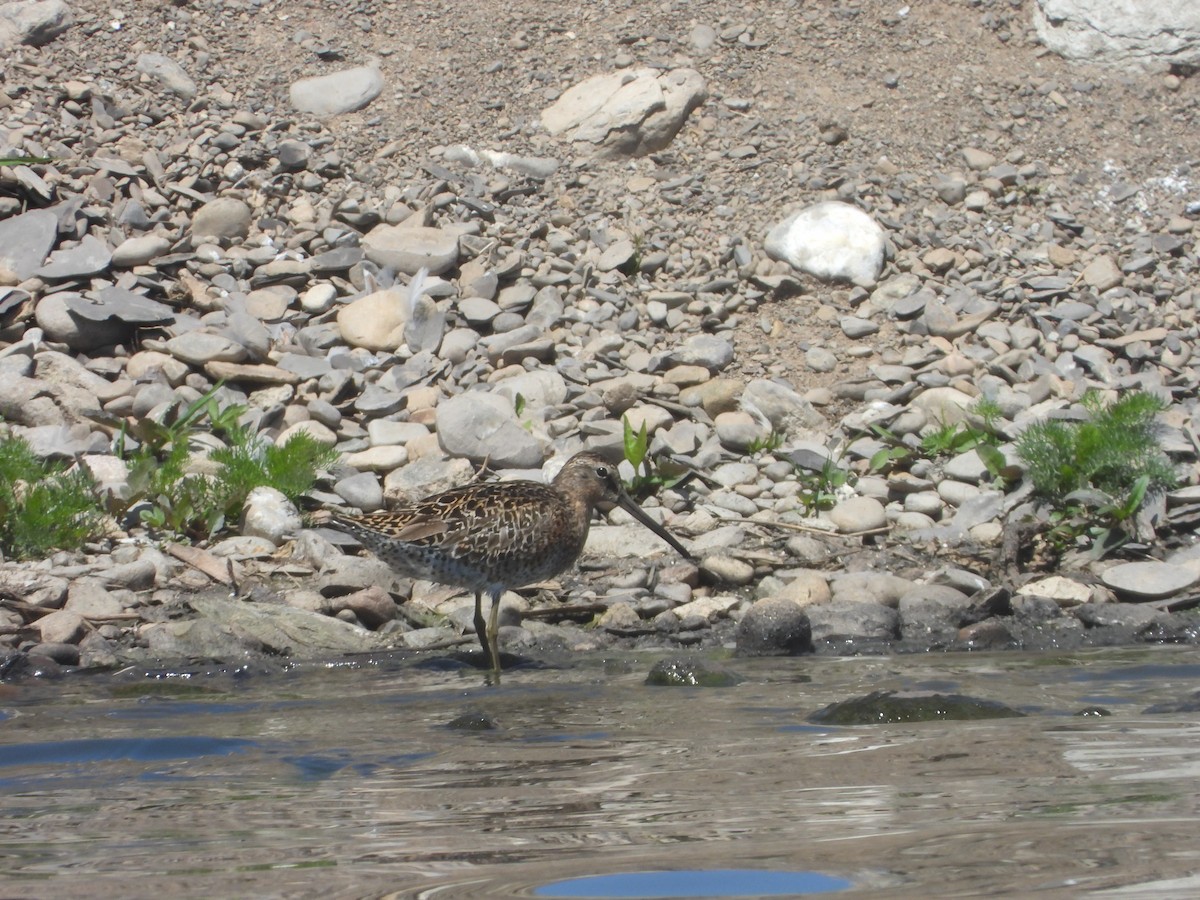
x=493, y=631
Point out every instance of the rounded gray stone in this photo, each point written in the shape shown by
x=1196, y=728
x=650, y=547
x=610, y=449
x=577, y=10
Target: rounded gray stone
x=339, y=92
x=858, y=514
x=225, y=217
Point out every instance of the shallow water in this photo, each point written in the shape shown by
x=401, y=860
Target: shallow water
x=346, y=781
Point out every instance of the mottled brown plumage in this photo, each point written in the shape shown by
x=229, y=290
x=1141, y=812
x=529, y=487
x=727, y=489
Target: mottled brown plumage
x=492, y=536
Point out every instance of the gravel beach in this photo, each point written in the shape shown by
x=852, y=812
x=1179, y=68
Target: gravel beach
x=436, y=235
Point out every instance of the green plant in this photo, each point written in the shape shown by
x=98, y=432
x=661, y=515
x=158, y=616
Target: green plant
x=178, y=501
x=649, y=474
x=43, y=506
x=772, y=441
x=1096, y=473
x=819, y=488
x=1092, y=519
x=1108, y=451
x=894, y=455
x=198, y=504
x=950, y=439
x=251, y=461
x=26, y=160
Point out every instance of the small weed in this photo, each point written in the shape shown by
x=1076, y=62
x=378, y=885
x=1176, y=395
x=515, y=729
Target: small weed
x=26, y=160
x=952, y=439
x=251, y=461
x=43, y=506
x=200, y=504
x=947, y=440
x=895, y=456
x=519, y=406
x=821, y=489
x=772, y=441
x=649, y=475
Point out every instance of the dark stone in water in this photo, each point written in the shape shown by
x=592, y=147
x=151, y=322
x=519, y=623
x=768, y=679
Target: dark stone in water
x=688, y=672
x=1187, y=705
x=883, y=707
x=774, y=627
x=472, y=720
x=17, y=665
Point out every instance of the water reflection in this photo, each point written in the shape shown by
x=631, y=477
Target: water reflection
x=700, y=883
x=346, y=781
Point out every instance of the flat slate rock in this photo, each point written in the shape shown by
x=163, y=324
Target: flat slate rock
x=89, y=257
x=1148, y=580
x=117, y=303
x=26, y=240
x=338, y=92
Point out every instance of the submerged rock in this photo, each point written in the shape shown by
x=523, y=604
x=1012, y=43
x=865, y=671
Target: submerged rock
x=885, y=707
x=682, y=672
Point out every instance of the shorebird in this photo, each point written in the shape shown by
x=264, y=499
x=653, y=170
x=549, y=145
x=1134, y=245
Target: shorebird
x=491, y=536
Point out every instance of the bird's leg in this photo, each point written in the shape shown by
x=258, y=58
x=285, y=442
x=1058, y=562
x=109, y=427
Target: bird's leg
x=494, y=630
x=481, y=627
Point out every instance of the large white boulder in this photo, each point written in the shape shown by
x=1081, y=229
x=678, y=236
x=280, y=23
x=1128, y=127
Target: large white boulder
x=832, y=241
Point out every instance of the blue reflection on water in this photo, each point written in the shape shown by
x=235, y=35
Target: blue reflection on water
x=695, y=883
x=109, y=749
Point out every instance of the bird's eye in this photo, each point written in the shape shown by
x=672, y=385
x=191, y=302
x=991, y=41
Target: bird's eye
x=602, y=472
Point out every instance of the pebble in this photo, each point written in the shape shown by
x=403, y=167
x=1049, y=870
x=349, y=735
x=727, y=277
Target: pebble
x=858, y=514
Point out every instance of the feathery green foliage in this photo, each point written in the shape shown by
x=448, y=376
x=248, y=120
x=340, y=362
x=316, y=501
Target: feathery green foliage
x=251, y=461
x=1097, y=473
x=199, y=504
x=43, y=506
x=1109, y=451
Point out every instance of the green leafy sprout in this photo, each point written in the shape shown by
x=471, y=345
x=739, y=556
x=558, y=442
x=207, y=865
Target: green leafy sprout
x=819, y=488
x=47, y=506
x=649, y=474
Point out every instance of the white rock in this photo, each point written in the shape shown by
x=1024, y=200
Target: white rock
x=375, y=322
x=225, y=217
x=32, y=22
x=833, y=241
x=269, y=514
x=480, y=425
x=1148, y=580
x=410, y=248
x=858, y=514
x=782, y=407
x=1154, y=34
x=378, y=459
x=1063, y=591
x=137, y=251
x=199, y=347
x=168, y=73
x=318, y=298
